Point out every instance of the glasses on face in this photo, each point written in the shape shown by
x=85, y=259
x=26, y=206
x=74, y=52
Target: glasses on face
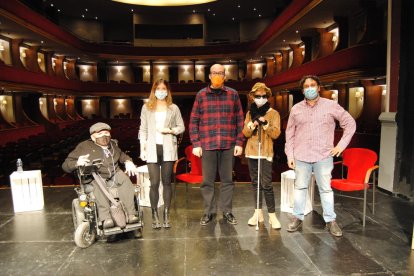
x=261, y=96
x=217, y=73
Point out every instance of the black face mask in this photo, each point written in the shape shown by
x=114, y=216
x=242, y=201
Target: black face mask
x=103, y=141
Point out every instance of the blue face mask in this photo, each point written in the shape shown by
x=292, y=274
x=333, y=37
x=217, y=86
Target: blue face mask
x=160, y=94
x=311, y=93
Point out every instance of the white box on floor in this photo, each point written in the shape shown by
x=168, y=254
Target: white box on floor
x=288, y=191
x=143, y=178
x=27, y=191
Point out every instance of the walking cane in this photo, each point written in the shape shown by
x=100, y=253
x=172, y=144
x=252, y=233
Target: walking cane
x=259, y=129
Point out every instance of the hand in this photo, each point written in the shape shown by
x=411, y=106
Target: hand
x=238, y=150
x=165, y=130
x=82, y=160
x=198, y=151
x=291, y=164
x=143, y=152
x=130, y=168
x=336, y=151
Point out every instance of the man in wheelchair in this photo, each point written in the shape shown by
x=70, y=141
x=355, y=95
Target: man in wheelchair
x=118, y=184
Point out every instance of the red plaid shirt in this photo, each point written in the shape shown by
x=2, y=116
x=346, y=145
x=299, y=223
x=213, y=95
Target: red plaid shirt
x=216, y=121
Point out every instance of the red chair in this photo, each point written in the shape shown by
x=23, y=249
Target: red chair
x=360, y=163
x=193, y=174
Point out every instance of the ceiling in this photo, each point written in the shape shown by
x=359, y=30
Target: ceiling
x=107, y=10
x=320, y=15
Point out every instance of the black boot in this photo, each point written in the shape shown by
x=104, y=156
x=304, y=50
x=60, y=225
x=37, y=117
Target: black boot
x=166, y=223
x=155, y=220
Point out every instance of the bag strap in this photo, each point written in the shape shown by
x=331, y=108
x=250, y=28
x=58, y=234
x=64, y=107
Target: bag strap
x=101, y=185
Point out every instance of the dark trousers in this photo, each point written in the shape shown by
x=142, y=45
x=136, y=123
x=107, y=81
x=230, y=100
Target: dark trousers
x=266, y=186
x=125, y=190
x=223, y=161
x=154, y=170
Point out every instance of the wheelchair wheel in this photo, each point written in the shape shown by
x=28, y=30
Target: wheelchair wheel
x=77, y=213
x=83, y=236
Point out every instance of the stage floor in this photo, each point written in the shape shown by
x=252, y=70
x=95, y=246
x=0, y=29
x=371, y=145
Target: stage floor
x=41, y=242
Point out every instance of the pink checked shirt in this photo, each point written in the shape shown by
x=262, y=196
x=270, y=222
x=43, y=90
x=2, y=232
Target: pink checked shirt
x=311, y=129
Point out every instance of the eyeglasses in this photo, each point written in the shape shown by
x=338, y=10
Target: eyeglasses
x=261, y=96
x=217, y=73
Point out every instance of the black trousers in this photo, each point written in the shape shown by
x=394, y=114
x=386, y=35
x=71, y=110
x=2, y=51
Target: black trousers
x=164, y=168
x=266, y=186
x=223, y=160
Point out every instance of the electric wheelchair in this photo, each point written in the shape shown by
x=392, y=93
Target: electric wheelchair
x=85, y=213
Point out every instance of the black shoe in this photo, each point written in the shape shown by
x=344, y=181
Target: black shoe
x=294, y=225
x=206, y=219
x=133, y=219
x=166, y=217
x=108, y=223
x=229, y=218
x=155, y=220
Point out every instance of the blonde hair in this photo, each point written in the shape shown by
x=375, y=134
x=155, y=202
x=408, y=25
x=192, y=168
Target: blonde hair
x=152, y=100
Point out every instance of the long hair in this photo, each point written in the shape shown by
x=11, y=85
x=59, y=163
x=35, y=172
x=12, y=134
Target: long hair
x=152, y=100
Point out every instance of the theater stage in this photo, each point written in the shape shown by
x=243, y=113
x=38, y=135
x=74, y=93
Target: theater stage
x=41, y=242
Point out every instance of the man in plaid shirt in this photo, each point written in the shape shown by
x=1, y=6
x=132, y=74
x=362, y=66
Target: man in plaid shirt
x=216, y=125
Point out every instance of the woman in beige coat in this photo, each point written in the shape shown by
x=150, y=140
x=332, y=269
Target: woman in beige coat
x=261, y=117
x=161, y=122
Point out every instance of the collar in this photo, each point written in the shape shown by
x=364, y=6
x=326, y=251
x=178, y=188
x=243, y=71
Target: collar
x=210, y=90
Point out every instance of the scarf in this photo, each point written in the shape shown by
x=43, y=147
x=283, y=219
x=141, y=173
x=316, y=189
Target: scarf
x=256, y=112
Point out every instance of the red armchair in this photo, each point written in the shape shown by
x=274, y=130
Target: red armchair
x=360, y=163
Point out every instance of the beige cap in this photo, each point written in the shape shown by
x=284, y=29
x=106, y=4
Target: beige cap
x=98, y=127
x=261, y=86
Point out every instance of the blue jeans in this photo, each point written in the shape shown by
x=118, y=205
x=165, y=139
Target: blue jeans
x=322, y=170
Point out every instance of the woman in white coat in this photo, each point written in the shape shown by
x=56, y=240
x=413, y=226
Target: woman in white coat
x=161, y=122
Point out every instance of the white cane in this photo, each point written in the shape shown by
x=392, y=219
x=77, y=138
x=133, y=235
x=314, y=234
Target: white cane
x=259, y=128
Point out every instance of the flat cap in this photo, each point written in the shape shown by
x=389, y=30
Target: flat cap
x=260, y=85
x=99, y=127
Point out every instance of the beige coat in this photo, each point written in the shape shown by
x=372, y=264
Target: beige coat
x=147, y=132
x=269, y=132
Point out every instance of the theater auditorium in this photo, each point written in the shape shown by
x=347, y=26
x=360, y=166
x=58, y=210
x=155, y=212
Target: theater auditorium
x=67, y=65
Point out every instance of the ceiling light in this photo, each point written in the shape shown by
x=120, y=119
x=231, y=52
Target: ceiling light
x=164, y=2
x=58, y=10
x=238, y=6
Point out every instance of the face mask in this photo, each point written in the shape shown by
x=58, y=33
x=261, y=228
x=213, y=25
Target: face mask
x=311, y=93
x=259, y=102
x=103, y=141
x=217, y=81
x=160, y=94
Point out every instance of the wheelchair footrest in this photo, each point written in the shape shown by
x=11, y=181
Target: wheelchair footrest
x=112, y=231
x=133, y=226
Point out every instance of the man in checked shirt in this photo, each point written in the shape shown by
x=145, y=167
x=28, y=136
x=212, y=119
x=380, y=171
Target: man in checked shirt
x=216, y=125
x=309, y=148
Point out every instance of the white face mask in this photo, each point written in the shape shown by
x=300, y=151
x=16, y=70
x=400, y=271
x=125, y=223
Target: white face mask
x=160, y=94
x=259, y=102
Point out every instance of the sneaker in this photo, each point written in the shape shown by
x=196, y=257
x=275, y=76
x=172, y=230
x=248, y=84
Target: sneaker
x=334, y=229
x=294, y=225
x=229, y=218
